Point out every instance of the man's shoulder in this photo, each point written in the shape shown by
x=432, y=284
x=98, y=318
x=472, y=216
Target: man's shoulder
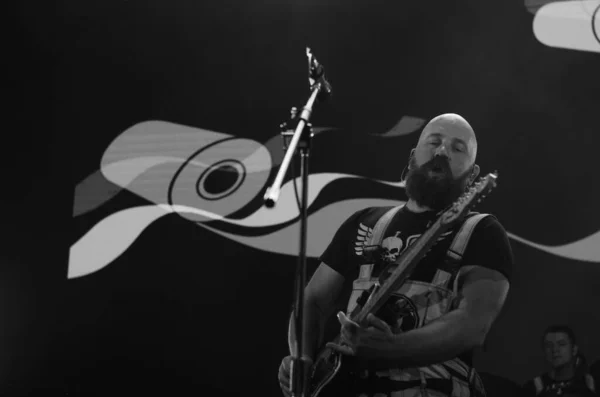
x=487, y=219
x=489, y=225
x=529, y=384
x=537, y=383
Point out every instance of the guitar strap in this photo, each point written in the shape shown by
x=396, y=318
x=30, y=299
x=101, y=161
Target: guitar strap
x=457, y=248
x=461, y=240
x=459, y=244
x=382, y=225
x=454, y=255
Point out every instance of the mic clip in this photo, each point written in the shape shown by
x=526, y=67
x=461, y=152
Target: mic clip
x=288, y=128
x=316, y=75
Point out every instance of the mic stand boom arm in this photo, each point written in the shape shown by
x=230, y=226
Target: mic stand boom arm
x=301, y=139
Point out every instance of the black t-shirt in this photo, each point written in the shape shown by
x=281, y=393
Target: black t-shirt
x=430, y=290
x=488, y=246
x=579, y=386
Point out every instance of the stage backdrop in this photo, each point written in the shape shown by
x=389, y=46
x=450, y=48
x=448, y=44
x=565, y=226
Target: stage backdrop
x=139, y=257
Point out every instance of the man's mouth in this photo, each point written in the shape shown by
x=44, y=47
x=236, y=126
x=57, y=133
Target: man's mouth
x=437, y=170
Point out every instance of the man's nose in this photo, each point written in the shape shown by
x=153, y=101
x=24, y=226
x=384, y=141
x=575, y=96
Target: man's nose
x=441, y=151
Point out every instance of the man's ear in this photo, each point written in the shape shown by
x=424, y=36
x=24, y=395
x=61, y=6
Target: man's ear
x=474, y=174
x=410, y=156
x=575, y=350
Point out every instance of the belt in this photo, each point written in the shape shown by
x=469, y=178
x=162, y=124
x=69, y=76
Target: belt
x=374, y=384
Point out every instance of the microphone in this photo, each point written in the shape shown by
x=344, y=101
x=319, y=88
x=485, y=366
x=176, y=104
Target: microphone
x=316, y=74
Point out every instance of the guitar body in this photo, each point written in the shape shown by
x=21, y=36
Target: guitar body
x=329, y=378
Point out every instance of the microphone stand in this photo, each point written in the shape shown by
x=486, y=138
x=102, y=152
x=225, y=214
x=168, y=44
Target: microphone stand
x=320, y=89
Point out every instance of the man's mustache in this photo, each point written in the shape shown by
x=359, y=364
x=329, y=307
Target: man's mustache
x=438, y=162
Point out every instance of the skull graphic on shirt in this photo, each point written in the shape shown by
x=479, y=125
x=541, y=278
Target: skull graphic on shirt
x=391, y=248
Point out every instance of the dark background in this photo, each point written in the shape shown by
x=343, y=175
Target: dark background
x=186, y=309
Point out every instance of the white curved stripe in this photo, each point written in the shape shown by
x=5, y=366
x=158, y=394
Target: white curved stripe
x=568, y=24
x=321, y=227
x=110, y=237
x=113, y=235
x=586, y=249
x=286, y=207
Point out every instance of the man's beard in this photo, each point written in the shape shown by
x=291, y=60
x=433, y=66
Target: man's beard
x=436, y=191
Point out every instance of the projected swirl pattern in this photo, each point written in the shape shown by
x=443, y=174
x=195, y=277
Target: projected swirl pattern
x=203, y=176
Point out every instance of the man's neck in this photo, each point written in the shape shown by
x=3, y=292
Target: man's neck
x=414, y=207
x=565, y=372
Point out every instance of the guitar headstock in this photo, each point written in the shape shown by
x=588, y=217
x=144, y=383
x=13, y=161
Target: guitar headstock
x=470, y=198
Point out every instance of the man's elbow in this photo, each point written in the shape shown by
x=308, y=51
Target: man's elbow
x=480, y=323
x=478, y=333
x=478, y=337
x=472, y=331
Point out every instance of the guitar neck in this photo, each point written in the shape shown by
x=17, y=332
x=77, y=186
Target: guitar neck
x=405, y=265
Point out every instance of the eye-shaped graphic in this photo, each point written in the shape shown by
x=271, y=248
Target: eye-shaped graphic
x=203, y=175
x=170, y=163
x=220, y=178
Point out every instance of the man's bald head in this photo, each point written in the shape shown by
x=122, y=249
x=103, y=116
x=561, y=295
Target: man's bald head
x=442, y=165
x=452, y=125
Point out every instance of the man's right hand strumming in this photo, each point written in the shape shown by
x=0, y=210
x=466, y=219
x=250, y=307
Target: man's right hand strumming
x=284, y=373
x=284, y=376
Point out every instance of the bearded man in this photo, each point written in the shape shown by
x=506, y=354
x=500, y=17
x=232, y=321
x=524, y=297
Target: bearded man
x=421, y=342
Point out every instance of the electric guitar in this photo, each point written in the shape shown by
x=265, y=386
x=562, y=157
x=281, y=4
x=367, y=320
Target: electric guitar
x=326, y=375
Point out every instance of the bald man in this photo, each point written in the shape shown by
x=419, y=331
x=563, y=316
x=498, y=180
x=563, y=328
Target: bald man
x=421, y=342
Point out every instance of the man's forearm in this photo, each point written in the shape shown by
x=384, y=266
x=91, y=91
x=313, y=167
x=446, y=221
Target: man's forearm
x=314, y=324
x=438, y=341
